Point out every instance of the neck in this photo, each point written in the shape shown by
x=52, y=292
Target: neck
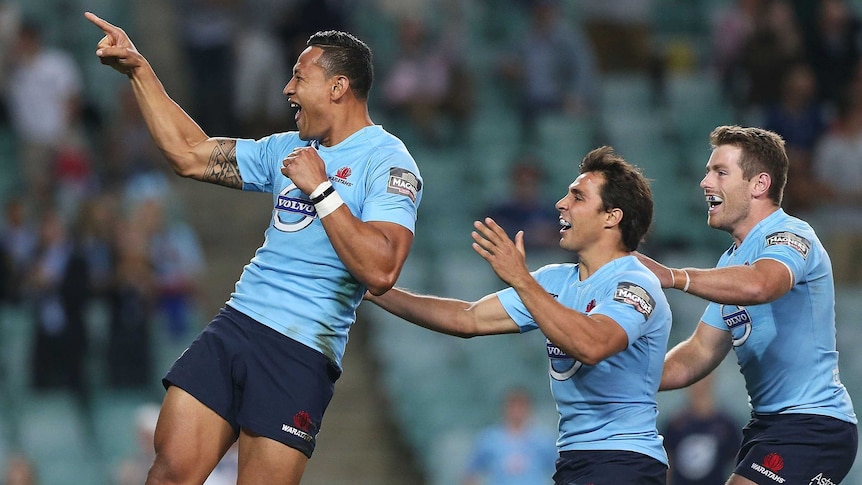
x=740, y=232
x=589, y=263
x=346, y=122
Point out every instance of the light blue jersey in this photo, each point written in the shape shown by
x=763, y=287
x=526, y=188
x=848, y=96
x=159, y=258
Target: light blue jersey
x=786, y=348
x=611, y=405
x=506, y=457
x=296, y=283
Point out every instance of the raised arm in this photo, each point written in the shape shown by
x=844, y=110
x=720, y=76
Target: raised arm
x=184, y=144
x=446, y=315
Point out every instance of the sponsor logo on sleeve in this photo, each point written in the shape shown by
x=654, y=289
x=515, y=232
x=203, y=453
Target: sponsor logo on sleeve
x=784, y=238
x=637, y=297
x=403, y=182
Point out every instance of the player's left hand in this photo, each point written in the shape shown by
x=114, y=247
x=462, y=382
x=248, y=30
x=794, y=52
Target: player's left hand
x=506, y=257
x=305, y=168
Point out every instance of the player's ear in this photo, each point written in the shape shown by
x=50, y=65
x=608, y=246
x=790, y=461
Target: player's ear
x=613, y=217
x=762, y=182
x=339, y=87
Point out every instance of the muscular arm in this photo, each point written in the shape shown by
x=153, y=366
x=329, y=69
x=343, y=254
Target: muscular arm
x=587, y=338
x=373, y=252
x=190, y=152
x=691, y=360
x=445, y=315
x=763, y=281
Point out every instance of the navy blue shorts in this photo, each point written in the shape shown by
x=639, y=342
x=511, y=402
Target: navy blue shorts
x=796, y=448
x=257, y=379
x=609, y=467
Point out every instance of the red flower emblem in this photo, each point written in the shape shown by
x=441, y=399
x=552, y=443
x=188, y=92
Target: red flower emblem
x=773, y=462
x=302, y=420
x=343, y=172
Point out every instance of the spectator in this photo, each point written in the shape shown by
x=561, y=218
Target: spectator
x=132, y=470
x=701, y=441
x=774, y=45
x=58, y=290
x=837, y=165
x=835, y=48
x=524, y=207
x=620, y=30
x=18, y=239
x=129, y=149
x=515, y=451
x=425, y=81
x=177, y=261
x=301, y=18
x=210, y=31
x=730, y=30
x=132, y=303
x=799, y=117
x=259, y=106
x=19, y=471
x=553, y=68
x=10, y=19
x=44, y=103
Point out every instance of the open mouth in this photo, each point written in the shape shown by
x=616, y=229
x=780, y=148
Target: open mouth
x=298, y=109
x=713, y=201
x=564, y=226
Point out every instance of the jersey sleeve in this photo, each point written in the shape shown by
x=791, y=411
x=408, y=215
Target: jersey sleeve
x=515, y=307
x=631, y=303
x=259, y=161
x=394, y=191
x=790, y=248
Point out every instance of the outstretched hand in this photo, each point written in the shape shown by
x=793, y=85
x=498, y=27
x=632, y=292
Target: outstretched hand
x=507, y=258
x=115, y=49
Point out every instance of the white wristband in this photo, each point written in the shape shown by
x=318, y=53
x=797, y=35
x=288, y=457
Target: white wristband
x=687, y=282
x=320, y=188
x=328, y=205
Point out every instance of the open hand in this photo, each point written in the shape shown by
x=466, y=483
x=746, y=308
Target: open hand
x=506, y=257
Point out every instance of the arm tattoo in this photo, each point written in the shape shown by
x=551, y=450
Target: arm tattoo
x=222, y=168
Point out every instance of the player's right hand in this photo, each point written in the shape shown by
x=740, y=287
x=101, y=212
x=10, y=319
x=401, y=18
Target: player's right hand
x=115, y=49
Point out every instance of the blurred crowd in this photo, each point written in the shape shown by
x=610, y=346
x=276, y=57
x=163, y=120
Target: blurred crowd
x=92, y=215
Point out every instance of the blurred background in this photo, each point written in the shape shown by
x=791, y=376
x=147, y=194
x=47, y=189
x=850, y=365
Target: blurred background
x=111, y=264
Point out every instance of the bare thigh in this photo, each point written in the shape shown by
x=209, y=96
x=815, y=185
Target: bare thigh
x=266, y=461
x=190, y=440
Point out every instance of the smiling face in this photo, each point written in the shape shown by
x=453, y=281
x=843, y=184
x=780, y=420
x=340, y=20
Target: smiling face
x=582, y=214
x=728, y=194
x=308, y=91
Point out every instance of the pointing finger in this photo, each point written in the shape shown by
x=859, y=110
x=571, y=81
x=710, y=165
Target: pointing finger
x=106, y=26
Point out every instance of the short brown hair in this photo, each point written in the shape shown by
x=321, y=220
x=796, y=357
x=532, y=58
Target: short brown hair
x=625, y=188
x=762, y=151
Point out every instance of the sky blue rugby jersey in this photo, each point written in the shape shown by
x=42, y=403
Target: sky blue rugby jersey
x=612, y=405
x=295, y=283
x=786, y=348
